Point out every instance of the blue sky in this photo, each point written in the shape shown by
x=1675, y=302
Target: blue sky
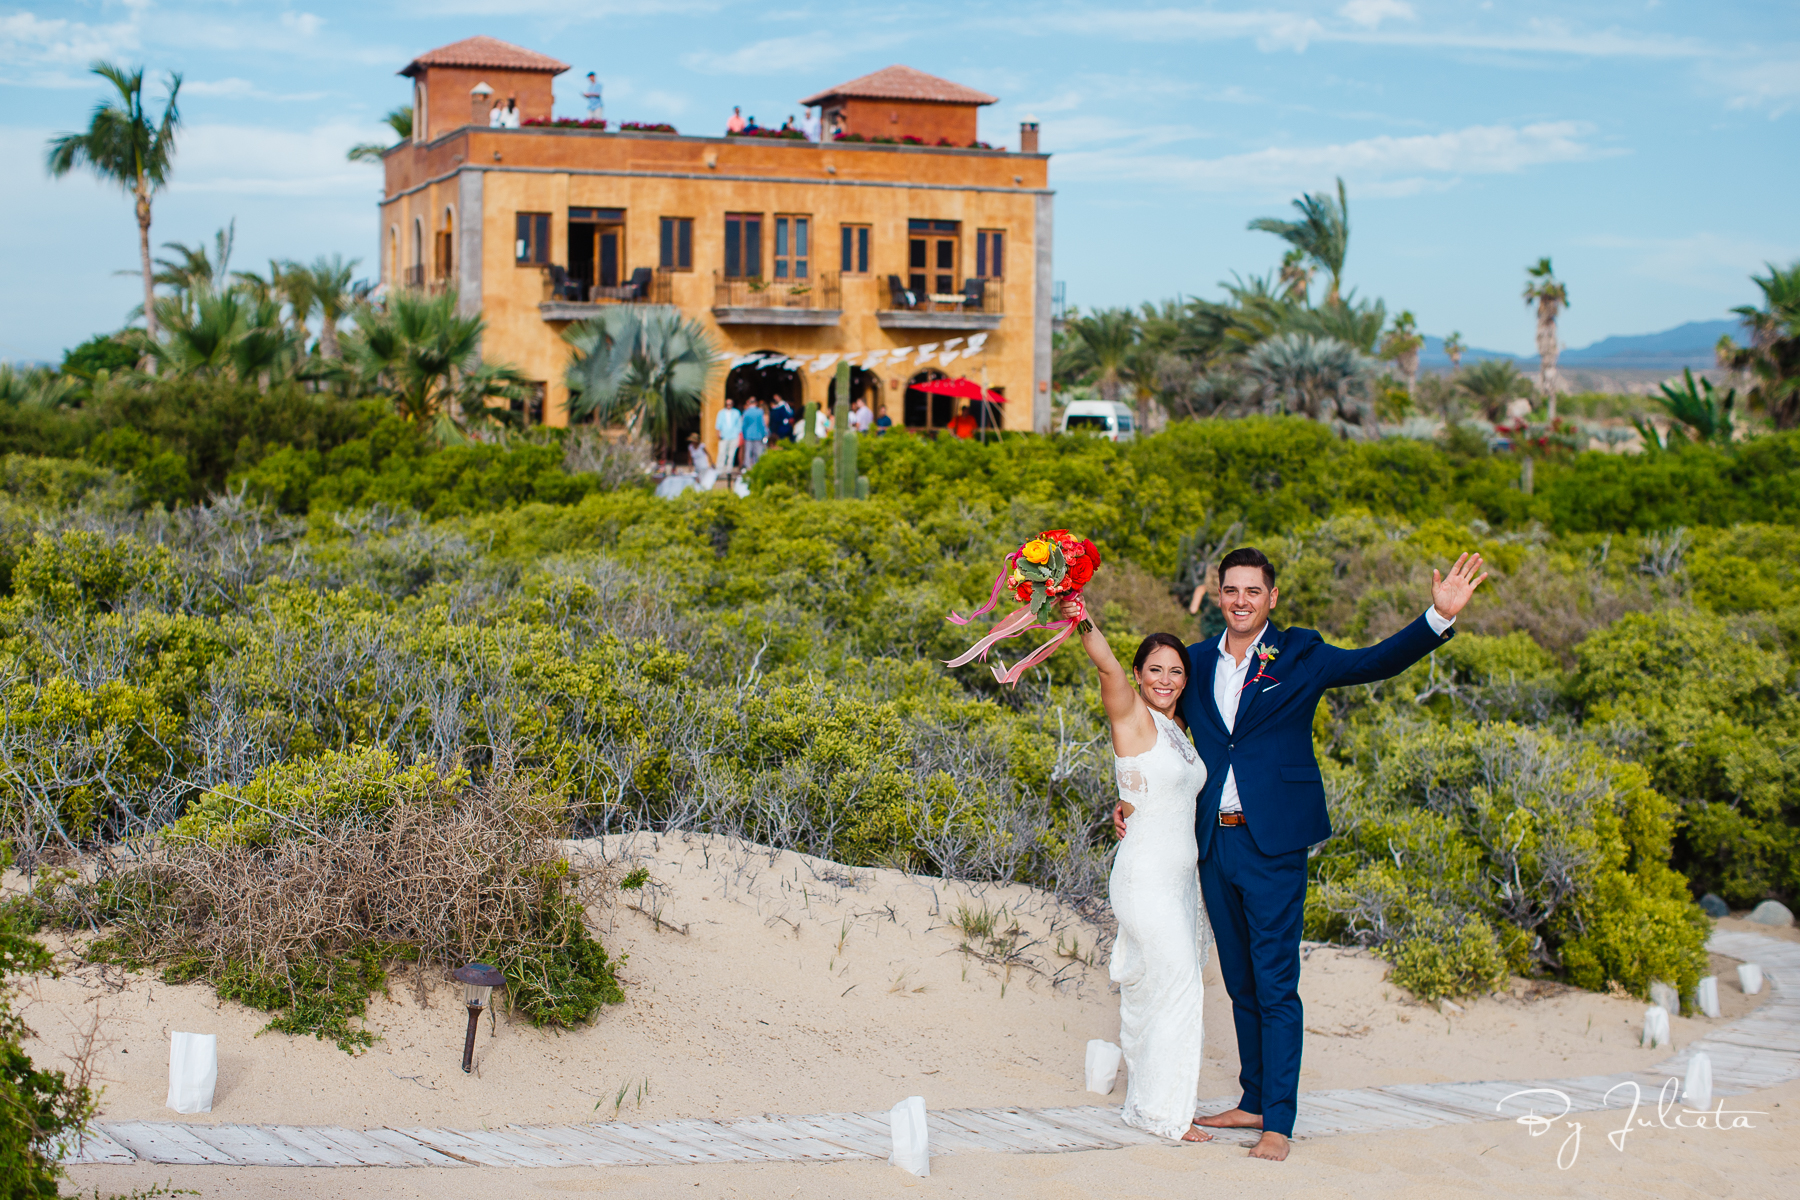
x=1649, y=147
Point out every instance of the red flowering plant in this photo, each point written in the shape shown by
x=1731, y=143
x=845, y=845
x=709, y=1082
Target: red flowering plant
x=1052, y=567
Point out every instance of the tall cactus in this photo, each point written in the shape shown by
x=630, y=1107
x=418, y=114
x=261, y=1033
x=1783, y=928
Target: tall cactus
x=843, y=442
x=809, y=416
x=818, y=478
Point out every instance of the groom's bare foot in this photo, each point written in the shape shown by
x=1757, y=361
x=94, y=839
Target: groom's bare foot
x=1270, y=1145
x=1196, y=1134
x=1235, y=1118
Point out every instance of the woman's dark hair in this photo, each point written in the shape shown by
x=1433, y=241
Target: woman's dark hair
x=1248, y=556
x=1148, y=646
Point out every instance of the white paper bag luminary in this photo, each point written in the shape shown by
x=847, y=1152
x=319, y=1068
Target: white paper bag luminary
x=1696, y=1089
x=1656, y=1027
x=1665, y=996
x=1750, y=978
x=1706, y=996
x=193, y=1071
x=912, y=1150
x=1102, y=1066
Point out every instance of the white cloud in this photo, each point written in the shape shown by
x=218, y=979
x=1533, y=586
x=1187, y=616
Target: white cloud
x=785, y=55
x=1772, y=84
x=1717, y=263
x=304, y=24
x=29, y=40
x=250, y=160
x=239, y=89
x=1378, y=165
x=1371, y=13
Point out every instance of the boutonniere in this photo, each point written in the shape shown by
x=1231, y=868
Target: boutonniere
x=1265, y=654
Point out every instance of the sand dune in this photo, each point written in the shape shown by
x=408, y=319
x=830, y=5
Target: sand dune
x=772, y=982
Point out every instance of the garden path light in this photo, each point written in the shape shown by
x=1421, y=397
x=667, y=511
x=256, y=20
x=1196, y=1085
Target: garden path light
x=479, y=981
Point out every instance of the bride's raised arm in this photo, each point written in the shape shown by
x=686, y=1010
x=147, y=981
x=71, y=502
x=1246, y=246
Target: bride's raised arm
x=1133, y=729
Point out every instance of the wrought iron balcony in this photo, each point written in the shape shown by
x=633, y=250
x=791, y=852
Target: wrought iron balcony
x=815, y=301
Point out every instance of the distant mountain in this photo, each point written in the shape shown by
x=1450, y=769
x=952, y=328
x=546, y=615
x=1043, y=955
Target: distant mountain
x=1689, y=345
x=1432, y=354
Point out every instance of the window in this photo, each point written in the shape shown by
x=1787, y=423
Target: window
x=990, y=254
x=743, y=245
x=596, y=247
x=531, y=239
x=855, y=250
x=446, y=245
x=792, y=246
x=931, y=256
x=677, y=247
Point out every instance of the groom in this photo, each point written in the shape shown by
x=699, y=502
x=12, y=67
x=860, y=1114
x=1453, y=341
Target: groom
x=1250, y=711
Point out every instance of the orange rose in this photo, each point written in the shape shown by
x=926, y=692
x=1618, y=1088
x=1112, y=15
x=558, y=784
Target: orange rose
x=1037, y=551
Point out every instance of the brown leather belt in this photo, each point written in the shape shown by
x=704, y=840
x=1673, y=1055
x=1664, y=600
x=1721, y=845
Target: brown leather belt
x=1234, y=818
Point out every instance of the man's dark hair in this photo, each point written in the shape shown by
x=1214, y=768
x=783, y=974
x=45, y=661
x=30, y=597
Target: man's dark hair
x=1248, y=556
x=1148, y=647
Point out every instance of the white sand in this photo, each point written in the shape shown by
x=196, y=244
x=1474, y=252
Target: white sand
x=795, y=990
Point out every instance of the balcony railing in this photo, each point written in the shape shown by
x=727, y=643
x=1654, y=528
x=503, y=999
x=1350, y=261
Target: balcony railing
x=820, y=292
x=642, y=286
x=980, y=305
x=977, y=296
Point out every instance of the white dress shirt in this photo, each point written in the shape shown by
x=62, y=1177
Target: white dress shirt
x=1230, y=677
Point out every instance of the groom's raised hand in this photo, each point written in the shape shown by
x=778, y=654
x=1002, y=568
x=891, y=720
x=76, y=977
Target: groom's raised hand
x=1449, y=593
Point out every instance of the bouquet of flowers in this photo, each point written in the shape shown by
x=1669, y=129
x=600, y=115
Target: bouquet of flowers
x=1051, y=567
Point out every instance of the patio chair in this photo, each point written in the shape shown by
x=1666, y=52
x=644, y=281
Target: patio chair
x=561, y=286
x=899, y=297
x=975, y=295
x=635, y=288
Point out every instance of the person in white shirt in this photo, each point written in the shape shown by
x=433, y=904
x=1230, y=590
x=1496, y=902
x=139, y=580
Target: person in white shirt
x=860, y=416
x=729, y=425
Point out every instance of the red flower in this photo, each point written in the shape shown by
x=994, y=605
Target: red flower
x=1024, y=593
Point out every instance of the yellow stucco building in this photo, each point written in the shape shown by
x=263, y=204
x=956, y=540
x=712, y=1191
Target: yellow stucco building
x=898, y=254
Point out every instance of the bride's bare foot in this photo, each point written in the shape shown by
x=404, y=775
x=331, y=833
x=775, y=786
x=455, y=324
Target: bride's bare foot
x=1270, y=1145
x=1235, y=1118
x=1196, y=1134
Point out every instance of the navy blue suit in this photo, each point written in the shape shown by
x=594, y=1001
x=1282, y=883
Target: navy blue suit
x=1254, y=875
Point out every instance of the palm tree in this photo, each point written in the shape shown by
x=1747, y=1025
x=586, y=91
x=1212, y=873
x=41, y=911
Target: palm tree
x=427, y=358
x=1296, y=276
x=1322, y=233
x=1453, y=348
x=400, y=120
x=193, y=269
x=1773, y=356
x=1401, y=345
x=122, y=144
x=329, y=282
x=1551, y=296
x=1323, y=378
x=648, y=372
x=1493, y=382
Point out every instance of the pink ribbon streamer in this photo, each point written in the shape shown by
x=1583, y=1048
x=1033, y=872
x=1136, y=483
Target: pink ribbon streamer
x=1011, y=675
x=992, y=601
x=1017, y=623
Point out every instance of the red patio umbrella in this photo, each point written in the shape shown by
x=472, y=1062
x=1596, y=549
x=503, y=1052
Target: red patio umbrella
x=967, y=389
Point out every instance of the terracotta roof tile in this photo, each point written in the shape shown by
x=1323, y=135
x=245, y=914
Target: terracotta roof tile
x=903, y=83
x=485, y=52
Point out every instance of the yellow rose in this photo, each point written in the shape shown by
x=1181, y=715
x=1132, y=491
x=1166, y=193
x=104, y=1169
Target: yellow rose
x=1037, y=551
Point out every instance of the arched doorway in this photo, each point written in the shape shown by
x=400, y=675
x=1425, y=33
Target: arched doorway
x=927, y=410
x=863, y=386
x=446, y=245
x=766, y=379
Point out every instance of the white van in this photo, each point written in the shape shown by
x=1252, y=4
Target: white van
x=1104, y=418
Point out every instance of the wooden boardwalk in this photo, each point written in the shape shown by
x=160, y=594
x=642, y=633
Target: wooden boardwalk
x=1758, y=1051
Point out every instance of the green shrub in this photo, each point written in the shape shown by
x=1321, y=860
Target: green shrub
x=1440, y=956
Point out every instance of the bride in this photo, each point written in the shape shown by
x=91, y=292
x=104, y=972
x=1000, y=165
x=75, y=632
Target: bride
x=1155, y=883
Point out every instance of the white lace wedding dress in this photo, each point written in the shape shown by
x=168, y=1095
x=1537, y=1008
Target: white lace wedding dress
x=1156, y=959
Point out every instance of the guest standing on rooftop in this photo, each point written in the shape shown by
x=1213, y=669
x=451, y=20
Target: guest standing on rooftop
x=736, y=122
x=596, y=102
